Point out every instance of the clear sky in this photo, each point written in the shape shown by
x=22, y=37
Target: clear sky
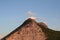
x=14, y=12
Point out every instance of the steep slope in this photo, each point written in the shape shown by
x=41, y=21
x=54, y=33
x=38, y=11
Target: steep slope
x=31, y=30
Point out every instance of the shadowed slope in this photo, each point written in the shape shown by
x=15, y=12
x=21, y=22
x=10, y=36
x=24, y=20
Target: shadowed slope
x=51, y=34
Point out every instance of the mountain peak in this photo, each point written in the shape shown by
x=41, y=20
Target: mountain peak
x=29, y=20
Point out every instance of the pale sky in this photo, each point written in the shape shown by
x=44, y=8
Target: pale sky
x=14, y=12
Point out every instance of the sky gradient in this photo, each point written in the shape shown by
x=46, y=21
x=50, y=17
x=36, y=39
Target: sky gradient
x=14, y=12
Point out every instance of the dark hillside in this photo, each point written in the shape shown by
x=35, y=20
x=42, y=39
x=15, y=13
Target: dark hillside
x=51, y=34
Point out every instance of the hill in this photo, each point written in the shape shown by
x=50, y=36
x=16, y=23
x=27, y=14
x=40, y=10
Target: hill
x=32, y=30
